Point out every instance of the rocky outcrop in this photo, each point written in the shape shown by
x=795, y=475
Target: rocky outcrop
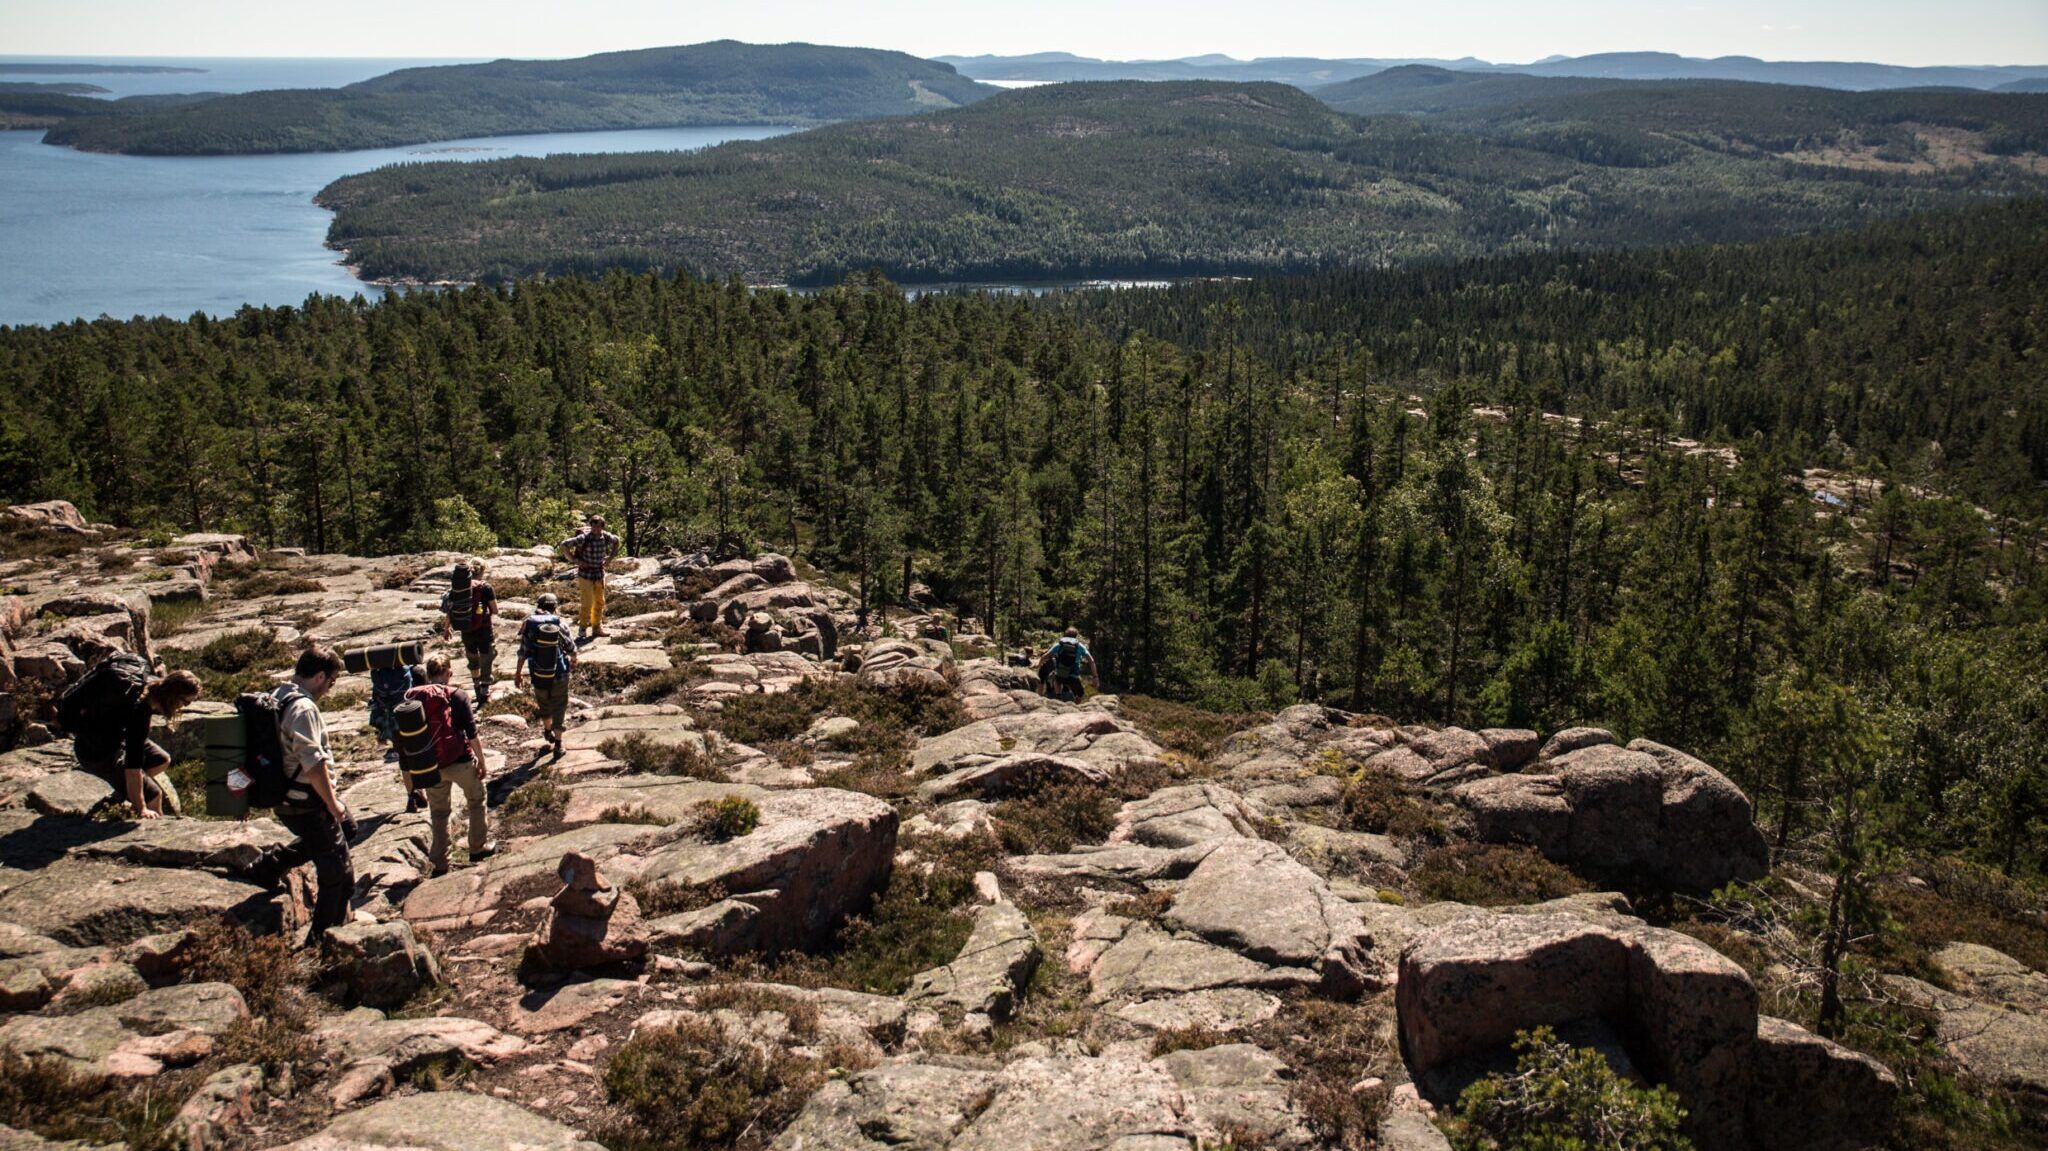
x=1469, y=984
x=1084, y=733
x=1048, y=1102
x=989, y=974
x=380, y=964
x=443, y=1121
x=1253, y=898
x=168, y=1027
x=1646, y=809
x=84, y=902
x=1995, y=1023
x=1809, y=1094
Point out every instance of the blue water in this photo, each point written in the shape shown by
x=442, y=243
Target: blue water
x=85, y=234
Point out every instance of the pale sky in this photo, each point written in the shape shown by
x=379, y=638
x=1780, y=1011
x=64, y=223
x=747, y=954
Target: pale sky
x=1516, y=31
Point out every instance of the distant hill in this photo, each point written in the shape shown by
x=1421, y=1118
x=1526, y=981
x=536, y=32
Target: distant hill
x=1178, y=178
x=2032, y=84
x=1310, y=72
x=1421, y=89
x=59, y=89
x=718, y=83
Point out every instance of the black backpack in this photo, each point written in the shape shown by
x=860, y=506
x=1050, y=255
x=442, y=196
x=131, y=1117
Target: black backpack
x=545, y=659
x=1066, y=658
x=103, y=696
x=461, y=600
x=263, y=756
x=414, y=739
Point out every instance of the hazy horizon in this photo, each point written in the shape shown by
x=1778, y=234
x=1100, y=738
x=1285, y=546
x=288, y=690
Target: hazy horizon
x=1981, y=33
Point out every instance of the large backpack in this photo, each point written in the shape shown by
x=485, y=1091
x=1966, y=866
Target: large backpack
x=413, y=735
x=461, y=600
x=450, y=744
x=103, y=696
x=545, y=645
x=245, y=756
x=1066, y=657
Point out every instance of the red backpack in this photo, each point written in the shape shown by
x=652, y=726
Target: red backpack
x=450, y=744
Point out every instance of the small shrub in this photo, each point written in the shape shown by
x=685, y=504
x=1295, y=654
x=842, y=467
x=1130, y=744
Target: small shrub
x=646, y=756
x=1194, y=731
x=50, y=1097
x=1191, y=1038
x=344, y=700
x=517, y=703
x=1331, y=1046
x=657, y=899
x=1054, y=819
x=637, y=813
x=664, y=685
x=115, y=560
x=235, y=662
x=691, y=1085
x=1149, y=907
x=272, y=583
x=1561, y=1098
x=537, y=797
x=916, y=924
x=401, y=576
x=728, y=818
x=1492, y=875
x=261, y=967
x=170, y=617
x=1376, y=801
x=805, y=1020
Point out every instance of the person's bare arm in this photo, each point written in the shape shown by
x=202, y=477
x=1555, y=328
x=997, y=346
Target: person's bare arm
x=134, y=778
x=321, y=781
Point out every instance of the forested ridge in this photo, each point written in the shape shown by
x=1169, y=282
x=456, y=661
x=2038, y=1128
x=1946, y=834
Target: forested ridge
x=1244, y=494
x=723, y=82
x=1198, y=178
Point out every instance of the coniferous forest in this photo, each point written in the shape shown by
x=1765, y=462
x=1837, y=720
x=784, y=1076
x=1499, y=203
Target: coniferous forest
x=1780, y=503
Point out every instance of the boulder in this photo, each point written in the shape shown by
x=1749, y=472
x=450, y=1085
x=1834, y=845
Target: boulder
x=50, y=515
x=992, y=969
x=1084, y=733
x=380, y=964
x=1187, y=815
x=213, y=845
x=72, y=793
x=226, y=1102
x=1510, y=748
x=1253, y=898
x=443, y=1121
x=85, y=902
x=1007, y=774
x=1809, y=1094
x=1645, y=809
x=170, y=1026
x=1573, y=739
x=817, y=856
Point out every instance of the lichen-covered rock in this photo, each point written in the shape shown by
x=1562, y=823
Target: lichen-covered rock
x=228, y=1100
x=443, y=1121
x=85, y=902
x=380, y=964
x=1810, y=1094
x=992, y=969
x=1253, y=898
x=169, y=1026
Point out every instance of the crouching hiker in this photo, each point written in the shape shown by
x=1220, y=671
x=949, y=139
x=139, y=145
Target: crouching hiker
x=452, y=723
x=311, y=809
x=108, y=714
x=546, y=651
x=1063, y=666
x=468, y=611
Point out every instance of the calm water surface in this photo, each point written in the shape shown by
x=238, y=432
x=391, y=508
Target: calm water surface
x=84, y=234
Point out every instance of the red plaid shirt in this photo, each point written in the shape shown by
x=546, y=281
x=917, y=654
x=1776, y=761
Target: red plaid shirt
x=591, y=551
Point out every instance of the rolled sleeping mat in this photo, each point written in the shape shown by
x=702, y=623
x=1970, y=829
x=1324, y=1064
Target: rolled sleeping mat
x=415, y=742
x=383, y=658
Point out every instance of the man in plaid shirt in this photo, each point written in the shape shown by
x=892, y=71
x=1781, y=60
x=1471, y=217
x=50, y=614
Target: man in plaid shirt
x=590, y=550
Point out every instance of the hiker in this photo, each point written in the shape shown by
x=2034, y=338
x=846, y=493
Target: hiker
x=468, y=610
x=544, y=649
x=312, y=810
x=108, y=714
x=461, y=759
x=1063, y=665
x=388, y=686
x=590, y=549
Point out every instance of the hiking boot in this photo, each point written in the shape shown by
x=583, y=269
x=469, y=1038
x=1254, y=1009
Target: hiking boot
x=485, y=852
x=437, y=871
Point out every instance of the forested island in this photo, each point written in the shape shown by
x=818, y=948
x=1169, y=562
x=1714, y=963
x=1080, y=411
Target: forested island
x=716, y=83
x=1199, y=178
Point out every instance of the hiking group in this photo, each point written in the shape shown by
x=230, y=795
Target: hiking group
x=273, y=752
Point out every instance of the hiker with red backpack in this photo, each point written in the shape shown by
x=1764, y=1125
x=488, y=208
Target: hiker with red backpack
x=109, y=712
x=459, y=757
x=468, y=610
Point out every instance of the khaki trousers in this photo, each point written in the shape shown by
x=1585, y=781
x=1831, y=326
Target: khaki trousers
x=455, y=775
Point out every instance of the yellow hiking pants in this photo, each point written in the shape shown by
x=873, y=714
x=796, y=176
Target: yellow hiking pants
x=589, y=603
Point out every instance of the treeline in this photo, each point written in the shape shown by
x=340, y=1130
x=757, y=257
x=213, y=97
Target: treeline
x=1243, y=510
x=716, y=83
x=1116, y=179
